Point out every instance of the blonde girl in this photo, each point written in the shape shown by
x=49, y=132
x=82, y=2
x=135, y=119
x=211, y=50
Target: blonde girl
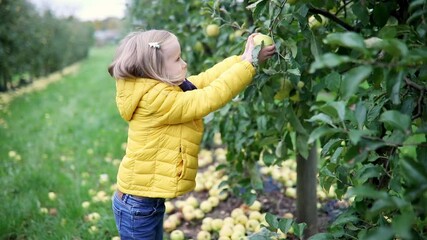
x=164, y=110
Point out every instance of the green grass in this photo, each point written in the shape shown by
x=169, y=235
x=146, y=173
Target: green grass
x=64, y=138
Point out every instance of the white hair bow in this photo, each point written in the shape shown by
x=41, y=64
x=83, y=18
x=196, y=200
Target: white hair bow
x=155, y=45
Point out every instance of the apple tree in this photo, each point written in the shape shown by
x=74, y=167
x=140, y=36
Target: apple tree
x=350, y=76
x=345, y=95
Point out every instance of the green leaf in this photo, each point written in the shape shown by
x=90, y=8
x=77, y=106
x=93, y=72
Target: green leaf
x=302, y=145
x=314, y=47
x=321, y=236
x=320, y=132
x=379, y=233
x=322, y=118
x=347, y=39
x=355, y=135
x=361, y=12
x=396, y=120
x=339, y=108
x=394, y=84
x=368, y=192
x=272, y=220
x=360, y=114
x=268, y=158
x=402, y=224
x=329, y=60
x=353, y=78
x=368, y=171
x=281, y=149
x=285, y=224
x=415, y=172
x=380, y=15
x=299, y=229
x=394, y=47
x=333, y=81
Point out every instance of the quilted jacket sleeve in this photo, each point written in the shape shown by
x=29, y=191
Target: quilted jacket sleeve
x=173, y=107
x=205, y=78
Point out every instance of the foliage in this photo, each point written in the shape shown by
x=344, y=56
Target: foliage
x=34, y=44
x=350, y=75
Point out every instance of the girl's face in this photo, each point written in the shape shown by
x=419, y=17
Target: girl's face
x=175, y=67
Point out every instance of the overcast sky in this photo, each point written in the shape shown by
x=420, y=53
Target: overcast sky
x=84, y=9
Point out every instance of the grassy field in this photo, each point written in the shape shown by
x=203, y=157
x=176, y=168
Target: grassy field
x=59, y=150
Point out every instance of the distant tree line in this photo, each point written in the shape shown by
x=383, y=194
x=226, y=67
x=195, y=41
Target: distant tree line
x=34, y=44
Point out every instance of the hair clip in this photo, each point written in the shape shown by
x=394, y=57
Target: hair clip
x=155, y=45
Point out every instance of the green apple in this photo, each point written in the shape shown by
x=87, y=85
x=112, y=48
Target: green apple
x=192, y=201
x=313, y=23
x=206, y=206
x=212, y=30
x=203, y=235
x=237, y=236
x=237, y=212
x=291, y=2
x=251, y=225
x=198, y=47
x=169, y=207
x=226, y=231
x=216, y=224
x=259, y=38
x=255, y=215
x=177, y=235
x=169, y=225
x=241, y=219
x=256, y=206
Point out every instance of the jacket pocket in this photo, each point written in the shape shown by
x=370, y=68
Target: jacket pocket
x=181, y=168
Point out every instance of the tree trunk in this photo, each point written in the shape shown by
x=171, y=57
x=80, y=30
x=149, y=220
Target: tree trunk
x=306, y=191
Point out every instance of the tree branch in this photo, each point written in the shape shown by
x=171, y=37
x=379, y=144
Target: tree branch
x=333, y=18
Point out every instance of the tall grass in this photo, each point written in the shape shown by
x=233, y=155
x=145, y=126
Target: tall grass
x=65, y=140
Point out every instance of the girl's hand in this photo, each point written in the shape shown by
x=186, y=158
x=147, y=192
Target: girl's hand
x=250, y=45
x=265, y=53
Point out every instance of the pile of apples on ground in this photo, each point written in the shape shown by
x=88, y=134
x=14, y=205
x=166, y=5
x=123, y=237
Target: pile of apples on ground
x=242, y=221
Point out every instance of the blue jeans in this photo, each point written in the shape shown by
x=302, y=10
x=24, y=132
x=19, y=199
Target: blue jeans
x=139, y=218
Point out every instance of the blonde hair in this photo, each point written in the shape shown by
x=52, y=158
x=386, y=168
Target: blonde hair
x=135, y=58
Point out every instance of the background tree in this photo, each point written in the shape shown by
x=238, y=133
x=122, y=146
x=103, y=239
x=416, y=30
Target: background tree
x=34, y=44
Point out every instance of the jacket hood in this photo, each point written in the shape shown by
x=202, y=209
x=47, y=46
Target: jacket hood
x=129, y=93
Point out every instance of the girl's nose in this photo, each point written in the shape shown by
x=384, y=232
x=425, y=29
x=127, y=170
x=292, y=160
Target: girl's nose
x=184, y=64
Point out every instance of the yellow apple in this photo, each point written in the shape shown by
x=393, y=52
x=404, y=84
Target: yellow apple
x=226, y=231
x=212, y=30
x=256, y=206
x=169, y=207
x=237, y=236
x=216, y=224
x=255, y=215
x=241, y=219
x=193, y=201
x=206, y=206
x=237, y=212
x=203, y=235
x=177, y=235
x=259, y=38
x=251, y=225
x=169, y=225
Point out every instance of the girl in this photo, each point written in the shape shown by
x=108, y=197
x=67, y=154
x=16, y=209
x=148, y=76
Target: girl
x=165, y=112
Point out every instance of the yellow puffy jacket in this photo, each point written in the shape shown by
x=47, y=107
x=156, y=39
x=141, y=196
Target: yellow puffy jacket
x=166, y=127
